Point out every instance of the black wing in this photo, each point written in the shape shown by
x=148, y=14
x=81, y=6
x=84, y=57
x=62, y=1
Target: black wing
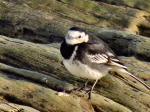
x=97, y=52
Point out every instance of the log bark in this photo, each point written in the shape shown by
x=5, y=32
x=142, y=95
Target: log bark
x=27, y=67
x=31, y=73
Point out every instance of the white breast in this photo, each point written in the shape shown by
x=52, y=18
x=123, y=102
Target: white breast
x=81, y=70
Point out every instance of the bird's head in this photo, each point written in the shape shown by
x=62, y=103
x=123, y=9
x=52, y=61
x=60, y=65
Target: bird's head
x=76, y=35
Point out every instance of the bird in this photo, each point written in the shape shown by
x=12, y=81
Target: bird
x=89, y=58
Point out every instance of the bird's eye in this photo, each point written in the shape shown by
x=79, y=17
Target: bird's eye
x=79, y=36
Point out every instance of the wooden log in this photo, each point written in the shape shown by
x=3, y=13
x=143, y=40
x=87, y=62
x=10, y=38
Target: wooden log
x=21, y=61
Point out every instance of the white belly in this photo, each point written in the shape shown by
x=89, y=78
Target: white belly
x=81, y=70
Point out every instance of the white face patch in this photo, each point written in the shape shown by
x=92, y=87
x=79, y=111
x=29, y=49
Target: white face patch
x=76, y=37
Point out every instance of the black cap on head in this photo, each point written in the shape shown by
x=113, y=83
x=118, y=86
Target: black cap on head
x=77, y=29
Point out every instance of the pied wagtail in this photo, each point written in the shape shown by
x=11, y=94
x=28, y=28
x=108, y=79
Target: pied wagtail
x=89, y=58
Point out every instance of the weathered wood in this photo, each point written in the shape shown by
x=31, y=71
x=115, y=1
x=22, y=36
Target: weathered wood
x=48, y=20
x=23, y=61
x=31, y=74
x=38, y=97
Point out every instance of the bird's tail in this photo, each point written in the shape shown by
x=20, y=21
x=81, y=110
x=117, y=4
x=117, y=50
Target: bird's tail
x=132, y=80
x=148, y=87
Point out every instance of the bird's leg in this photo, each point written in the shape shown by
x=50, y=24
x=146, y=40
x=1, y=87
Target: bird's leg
x=83, y=87
x=90, y=92
x=85, y=84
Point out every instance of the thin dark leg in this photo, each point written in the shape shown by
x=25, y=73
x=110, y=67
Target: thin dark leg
x=85, y=84
x=92, y=89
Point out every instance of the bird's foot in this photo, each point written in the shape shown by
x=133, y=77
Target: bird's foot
x=88, y=92
x=82, y=92
x=82, y=88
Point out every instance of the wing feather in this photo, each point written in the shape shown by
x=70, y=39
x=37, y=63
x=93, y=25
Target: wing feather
x=100, y=53
x=97, y=58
